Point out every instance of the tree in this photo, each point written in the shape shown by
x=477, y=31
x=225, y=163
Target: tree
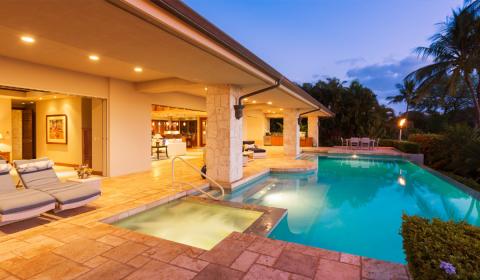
x=455, y=54
x=407, y=94
x=357, y=111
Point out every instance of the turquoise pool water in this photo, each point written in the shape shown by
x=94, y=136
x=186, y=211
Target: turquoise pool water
x=355, y=205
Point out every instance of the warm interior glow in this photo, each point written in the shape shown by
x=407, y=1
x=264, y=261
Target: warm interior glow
x=254, y=101
x=138, y=69
x=27, y=39
x=93, y=57
x=245, y=99
x=281, y=109
x=269, y=103
x=402, y=122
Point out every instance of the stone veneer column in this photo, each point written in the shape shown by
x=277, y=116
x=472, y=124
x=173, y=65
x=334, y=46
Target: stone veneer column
x=313, y=129
x=291, y=132
x=224, y=135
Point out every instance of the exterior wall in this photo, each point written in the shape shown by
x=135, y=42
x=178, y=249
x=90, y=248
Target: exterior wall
x=70, y=153
x=313, y=129
x=6, y=125
x=17, y=73
x=224, y=135
x=254, y=126
x=291, y=132
x=129, y=129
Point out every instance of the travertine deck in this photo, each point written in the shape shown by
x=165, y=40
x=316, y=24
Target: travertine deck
x=75, y=245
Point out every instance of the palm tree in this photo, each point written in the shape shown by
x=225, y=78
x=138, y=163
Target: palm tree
x=455, y=54
x=407, y=94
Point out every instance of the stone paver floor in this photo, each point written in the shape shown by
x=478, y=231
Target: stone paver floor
x=75, y=245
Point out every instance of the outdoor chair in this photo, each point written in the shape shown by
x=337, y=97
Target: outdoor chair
x=354, y=142
x=365, y=143
x=17, y=205
x=38, y=174
x=257, y=152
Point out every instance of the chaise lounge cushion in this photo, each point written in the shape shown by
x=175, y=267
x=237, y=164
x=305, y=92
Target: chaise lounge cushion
x=24, y=200
x=69, y=192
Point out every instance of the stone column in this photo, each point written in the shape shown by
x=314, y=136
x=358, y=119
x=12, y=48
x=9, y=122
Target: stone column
x=224, y=135
x=313, y=129
x=291, y=132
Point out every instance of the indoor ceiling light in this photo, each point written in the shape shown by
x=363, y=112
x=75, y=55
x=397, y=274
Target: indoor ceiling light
x=205, y=88
x=269, y=103
x=254, y=101
x=246, y=99
x=27, y=39
x=93, y=57
x=138, y=69
x=281, y=109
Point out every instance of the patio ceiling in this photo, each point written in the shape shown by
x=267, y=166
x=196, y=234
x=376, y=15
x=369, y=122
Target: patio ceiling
x=67, y=32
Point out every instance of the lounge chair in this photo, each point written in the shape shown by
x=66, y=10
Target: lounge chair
x=17, y=205
x=257, y=152
x=38, y=174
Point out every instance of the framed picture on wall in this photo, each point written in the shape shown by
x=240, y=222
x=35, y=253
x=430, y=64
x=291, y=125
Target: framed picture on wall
x=57, y=128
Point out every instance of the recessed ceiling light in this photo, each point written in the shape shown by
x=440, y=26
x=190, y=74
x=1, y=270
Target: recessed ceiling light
x=281, y=109
x=269, y=103
x=31, y=102
x=94, y=57
x=138, y=69
x=254, y=101
x=246, y=99
x=41, y=98
x=27, y=39
x=206, y=88
x=23, y=103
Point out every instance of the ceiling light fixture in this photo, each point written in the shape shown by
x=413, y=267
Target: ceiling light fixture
x=269, y=103
x=281, y=109
x=206, y=88
x=254, y=101
x=94, y=57
x=138, y=69
x=27, y=39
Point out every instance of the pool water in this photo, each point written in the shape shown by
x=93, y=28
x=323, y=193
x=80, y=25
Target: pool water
x=193, y=223
x=355, y=205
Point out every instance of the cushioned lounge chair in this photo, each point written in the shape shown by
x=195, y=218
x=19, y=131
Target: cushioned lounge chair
x=39, y=175
x=17, y=205
x=257, y=152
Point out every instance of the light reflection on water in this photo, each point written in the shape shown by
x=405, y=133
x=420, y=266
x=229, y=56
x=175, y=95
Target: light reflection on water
x=355, y=205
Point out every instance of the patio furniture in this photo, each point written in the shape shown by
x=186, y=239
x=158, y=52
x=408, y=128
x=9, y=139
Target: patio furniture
x=365, y=142
x=17, y=205
x=257, y=152
x=159, y=147
x=344, y=142
x=354, y=142
x=38, y=174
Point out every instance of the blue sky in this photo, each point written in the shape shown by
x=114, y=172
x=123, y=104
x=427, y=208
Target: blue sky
x=368, y=40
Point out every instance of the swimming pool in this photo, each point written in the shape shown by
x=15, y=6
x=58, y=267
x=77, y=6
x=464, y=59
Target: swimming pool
x=193, y=223
x=355, y=205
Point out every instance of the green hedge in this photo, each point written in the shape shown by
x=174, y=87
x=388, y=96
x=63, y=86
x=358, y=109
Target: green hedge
x=404, y=146
x=428, y=243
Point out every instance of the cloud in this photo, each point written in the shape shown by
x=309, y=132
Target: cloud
x=351, y=61
x=382, y=78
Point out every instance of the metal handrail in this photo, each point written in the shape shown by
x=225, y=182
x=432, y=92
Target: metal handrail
x=199, y=171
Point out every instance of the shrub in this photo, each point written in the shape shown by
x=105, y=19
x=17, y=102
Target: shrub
x=428, y=243
x=456, y=151
x=404, y=146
